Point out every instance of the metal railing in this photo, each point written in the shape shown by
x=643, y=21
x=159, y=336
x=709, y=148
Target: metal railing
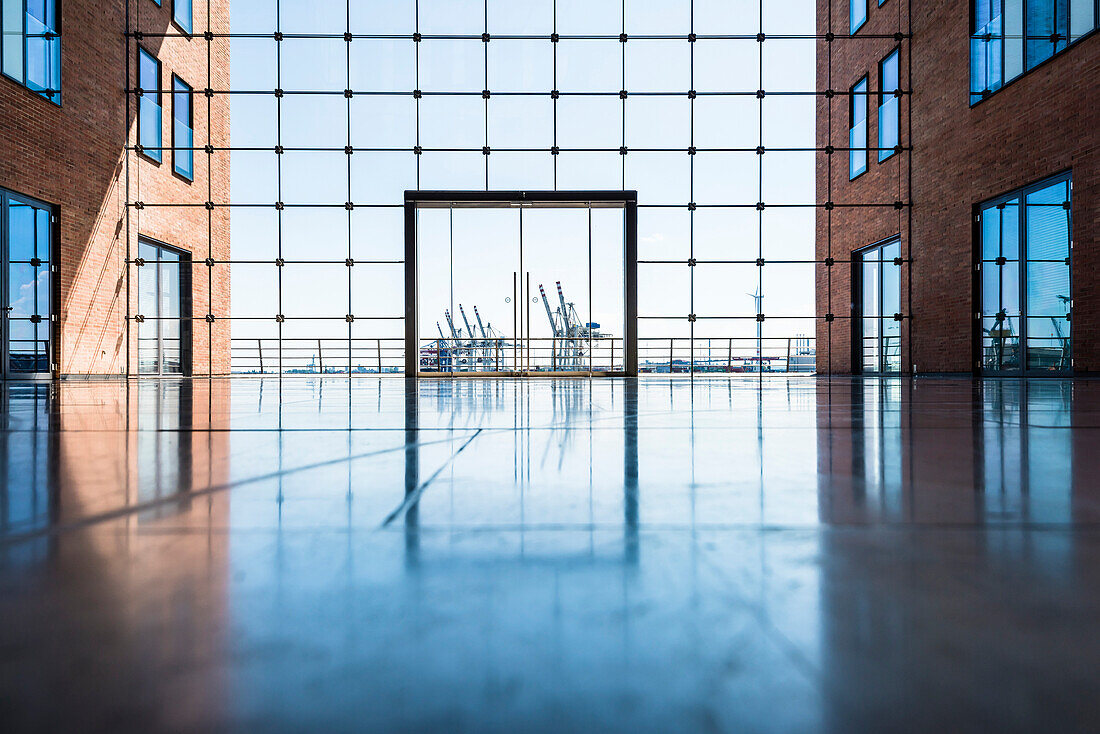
x=656, y=355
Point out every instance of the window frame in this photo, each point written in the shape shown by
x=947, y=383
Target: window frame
x=858, y=257
x=50, y=95
x=886, y=154
x=865, y=80
x=975, y=97
x=158, y=158
x=185, y=286
x=189, y=94
x=1023, y=245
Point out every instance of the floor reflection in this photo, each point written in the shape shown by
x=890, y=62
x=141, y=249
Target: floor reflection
x=769, y=554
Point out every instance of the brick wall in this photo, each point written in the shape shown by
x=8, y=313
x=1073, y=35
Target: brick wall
x=1040, y=124
x=74, y=157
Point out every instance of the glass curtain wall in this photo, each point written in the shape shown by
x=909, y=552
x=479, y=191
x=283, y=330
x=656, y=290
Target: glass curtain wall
x=1026, y=292
x=707, y=108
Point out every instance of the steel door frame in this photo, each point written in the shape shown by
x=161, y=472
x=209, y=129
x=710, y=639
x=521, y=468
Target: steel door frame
x=626, y=200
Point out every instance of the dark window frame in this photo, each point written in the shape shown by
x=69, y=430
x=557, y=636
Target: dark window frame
x=1020, y=193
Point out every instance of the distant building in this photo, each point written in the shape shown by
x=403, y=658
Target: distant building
x=93, y=286
x=993, y=268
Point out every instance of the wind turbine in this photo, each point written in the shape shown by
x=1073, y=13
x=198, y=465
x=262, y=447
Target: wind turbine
x=758, y=301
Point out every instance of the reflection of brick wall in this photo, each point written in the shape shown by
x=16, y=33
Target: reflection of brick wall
x=1041, y=124
x=73, y=157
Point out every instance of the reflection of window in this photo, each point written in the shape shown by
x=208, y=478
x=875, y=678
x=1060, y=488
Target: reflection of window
x=878, y=275
x=889, y=121
x=857, y=14
x=1009, y=37
x=183, y=157
x=30, y=45
x=857, y=131
x=149, y=105
x=1026, y=297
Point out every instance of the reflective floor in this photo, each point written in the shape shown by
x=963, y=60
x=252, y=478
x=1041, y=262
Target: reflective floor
x=785, y=554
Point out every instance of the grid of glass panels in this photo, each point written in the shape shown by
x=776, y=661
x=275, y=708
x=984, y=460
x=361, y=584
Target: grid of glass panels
x=705, y=107
x=1010, y=37
x=1026, y=292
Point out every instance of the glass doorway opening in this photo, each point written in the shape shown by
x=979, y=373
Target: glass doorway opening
x=26, y=287
x=520, y=283
x=163, y=301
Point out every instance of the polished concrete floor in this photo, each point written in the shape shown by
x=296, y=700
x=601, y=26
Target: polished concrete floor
x=743, y=555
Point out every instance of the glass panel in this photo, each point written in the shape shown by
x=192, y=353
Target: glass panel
x=1040, y=28
x=23, y=346
x=891, y=304
x=169, y=312
x=12, y=22
x=1082, y=18
x=986, y=49
x=42, y=240
x=857, y=14
x=182, y=135
x=1001, y=343
x=20, y=231
x=181, y=13
x=1048, y=278
x=148, y=352
x=871, y=273
x=857, y=135
x=149, y=126
x=1014, y=38
x=1048, y=223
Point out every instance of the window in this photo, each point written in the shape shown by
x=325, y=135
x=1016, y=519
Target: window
x=183, y=157
x=857, y=14
x=149, y=122
x=1026, y=292
x=30, y=45
x=878, y=278
x=181, y=14
x=857, y=129
x=889, y=97
x=1010, y=37
x=162, y=284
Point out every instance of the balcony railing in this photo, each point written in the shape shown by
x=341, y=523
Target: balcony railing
x=535, y=355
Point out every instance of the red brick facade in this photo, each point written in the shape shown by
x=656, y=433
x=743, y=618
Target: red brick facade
x=1041, y=124
x=74, y=157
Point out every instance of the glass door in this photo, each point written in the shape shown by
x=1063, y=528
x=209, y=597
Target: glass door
x=26, y=287
x=160, y=347
x=879, y=277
